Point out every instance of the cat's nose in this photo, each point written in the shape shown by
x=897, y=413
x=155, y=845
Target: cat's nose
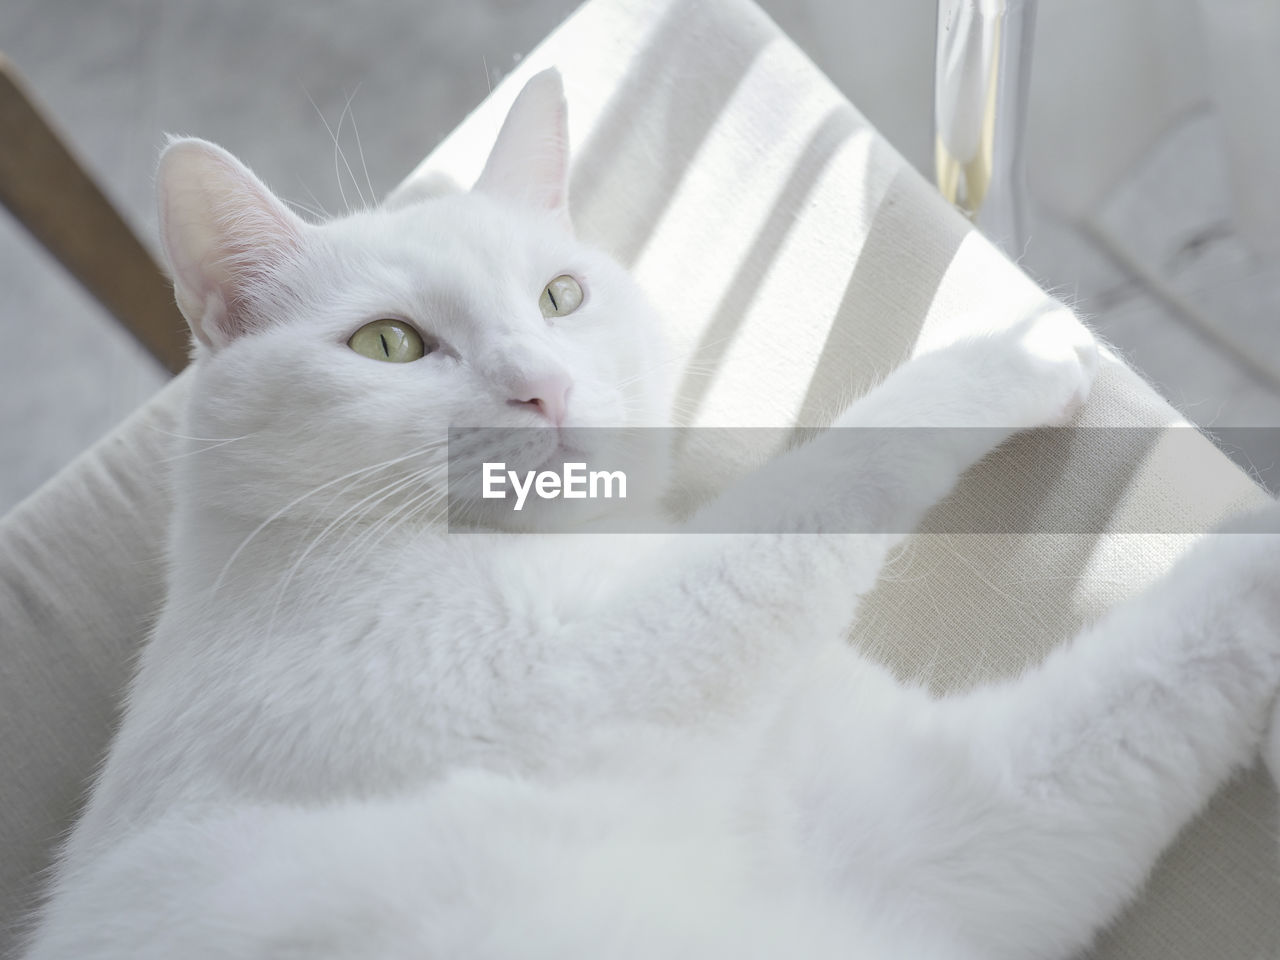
x=549, y=394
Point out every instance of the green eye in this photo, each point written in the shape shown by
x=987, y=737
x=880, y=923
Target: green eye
x=561, y=296
x=391, y=340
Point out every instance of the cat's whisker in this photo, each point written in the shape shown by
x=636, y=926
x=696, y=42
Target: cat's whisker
x=342, y=193
x=339, y=152
x=679, y=406
x=687, y=355
x=381, y=494
x=403, y=515
x=423, y=500
x=345, y=488
x=373, y=196
x=183, y=436
x=321, y=582
x=205, y=449
x=334, y=498
x=310, y=493
x=356, y=549
x=309, y=210
x=316, y=200
x=422, y=476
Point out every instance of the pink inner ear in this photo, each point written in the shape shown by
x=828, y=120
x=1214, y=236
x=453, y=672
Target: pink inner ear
x=529, y=164
x=225, y=234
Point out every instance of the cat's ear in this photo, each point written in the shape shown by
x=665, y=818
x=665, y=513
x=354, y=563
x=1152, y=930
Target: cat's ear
x=529, y=164
x=224, y=236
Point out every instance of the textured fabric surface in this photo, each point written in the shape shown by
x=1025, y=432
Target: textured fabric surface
x=81, y=579
x=797, y=259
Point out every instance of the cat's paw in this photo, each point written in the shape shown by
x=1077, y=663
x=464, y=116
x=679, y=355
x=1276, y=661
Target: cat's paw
x=1052, y=367
x=1037, y=372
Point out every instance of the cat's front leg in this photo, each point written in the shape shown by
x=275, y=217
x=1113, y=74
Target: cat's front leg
x=780, y=560
x=1048, y=799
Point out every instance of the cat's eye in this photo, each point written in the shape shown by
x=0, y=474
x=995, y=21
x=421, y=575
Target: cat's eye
x=561, y=296
x=391, y=340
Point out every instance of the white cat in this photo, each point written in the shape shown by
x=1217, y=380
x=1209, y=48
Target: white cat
x=356, y=735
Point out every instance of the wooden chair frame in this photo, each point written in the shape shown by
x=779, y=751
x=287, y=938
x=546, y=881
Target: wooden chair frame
x=50, y=193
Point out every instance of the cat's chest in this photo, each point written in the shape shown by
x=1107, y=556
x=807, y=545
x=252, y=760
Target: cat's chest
x=436, y=660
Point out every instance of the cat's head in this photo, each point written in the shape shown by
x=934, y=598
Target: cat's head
x=334, y=358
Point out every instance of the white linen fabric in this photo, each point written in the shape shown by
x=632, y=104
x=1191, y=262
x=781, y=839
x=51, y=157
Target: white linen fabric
x=799, y=258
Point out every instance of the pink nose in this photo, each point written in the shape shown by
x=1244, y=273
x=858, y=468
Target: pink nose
x=550, y=395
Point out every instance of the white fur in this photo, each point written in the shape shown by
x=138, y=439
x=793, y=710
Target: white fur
x=355, y=735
